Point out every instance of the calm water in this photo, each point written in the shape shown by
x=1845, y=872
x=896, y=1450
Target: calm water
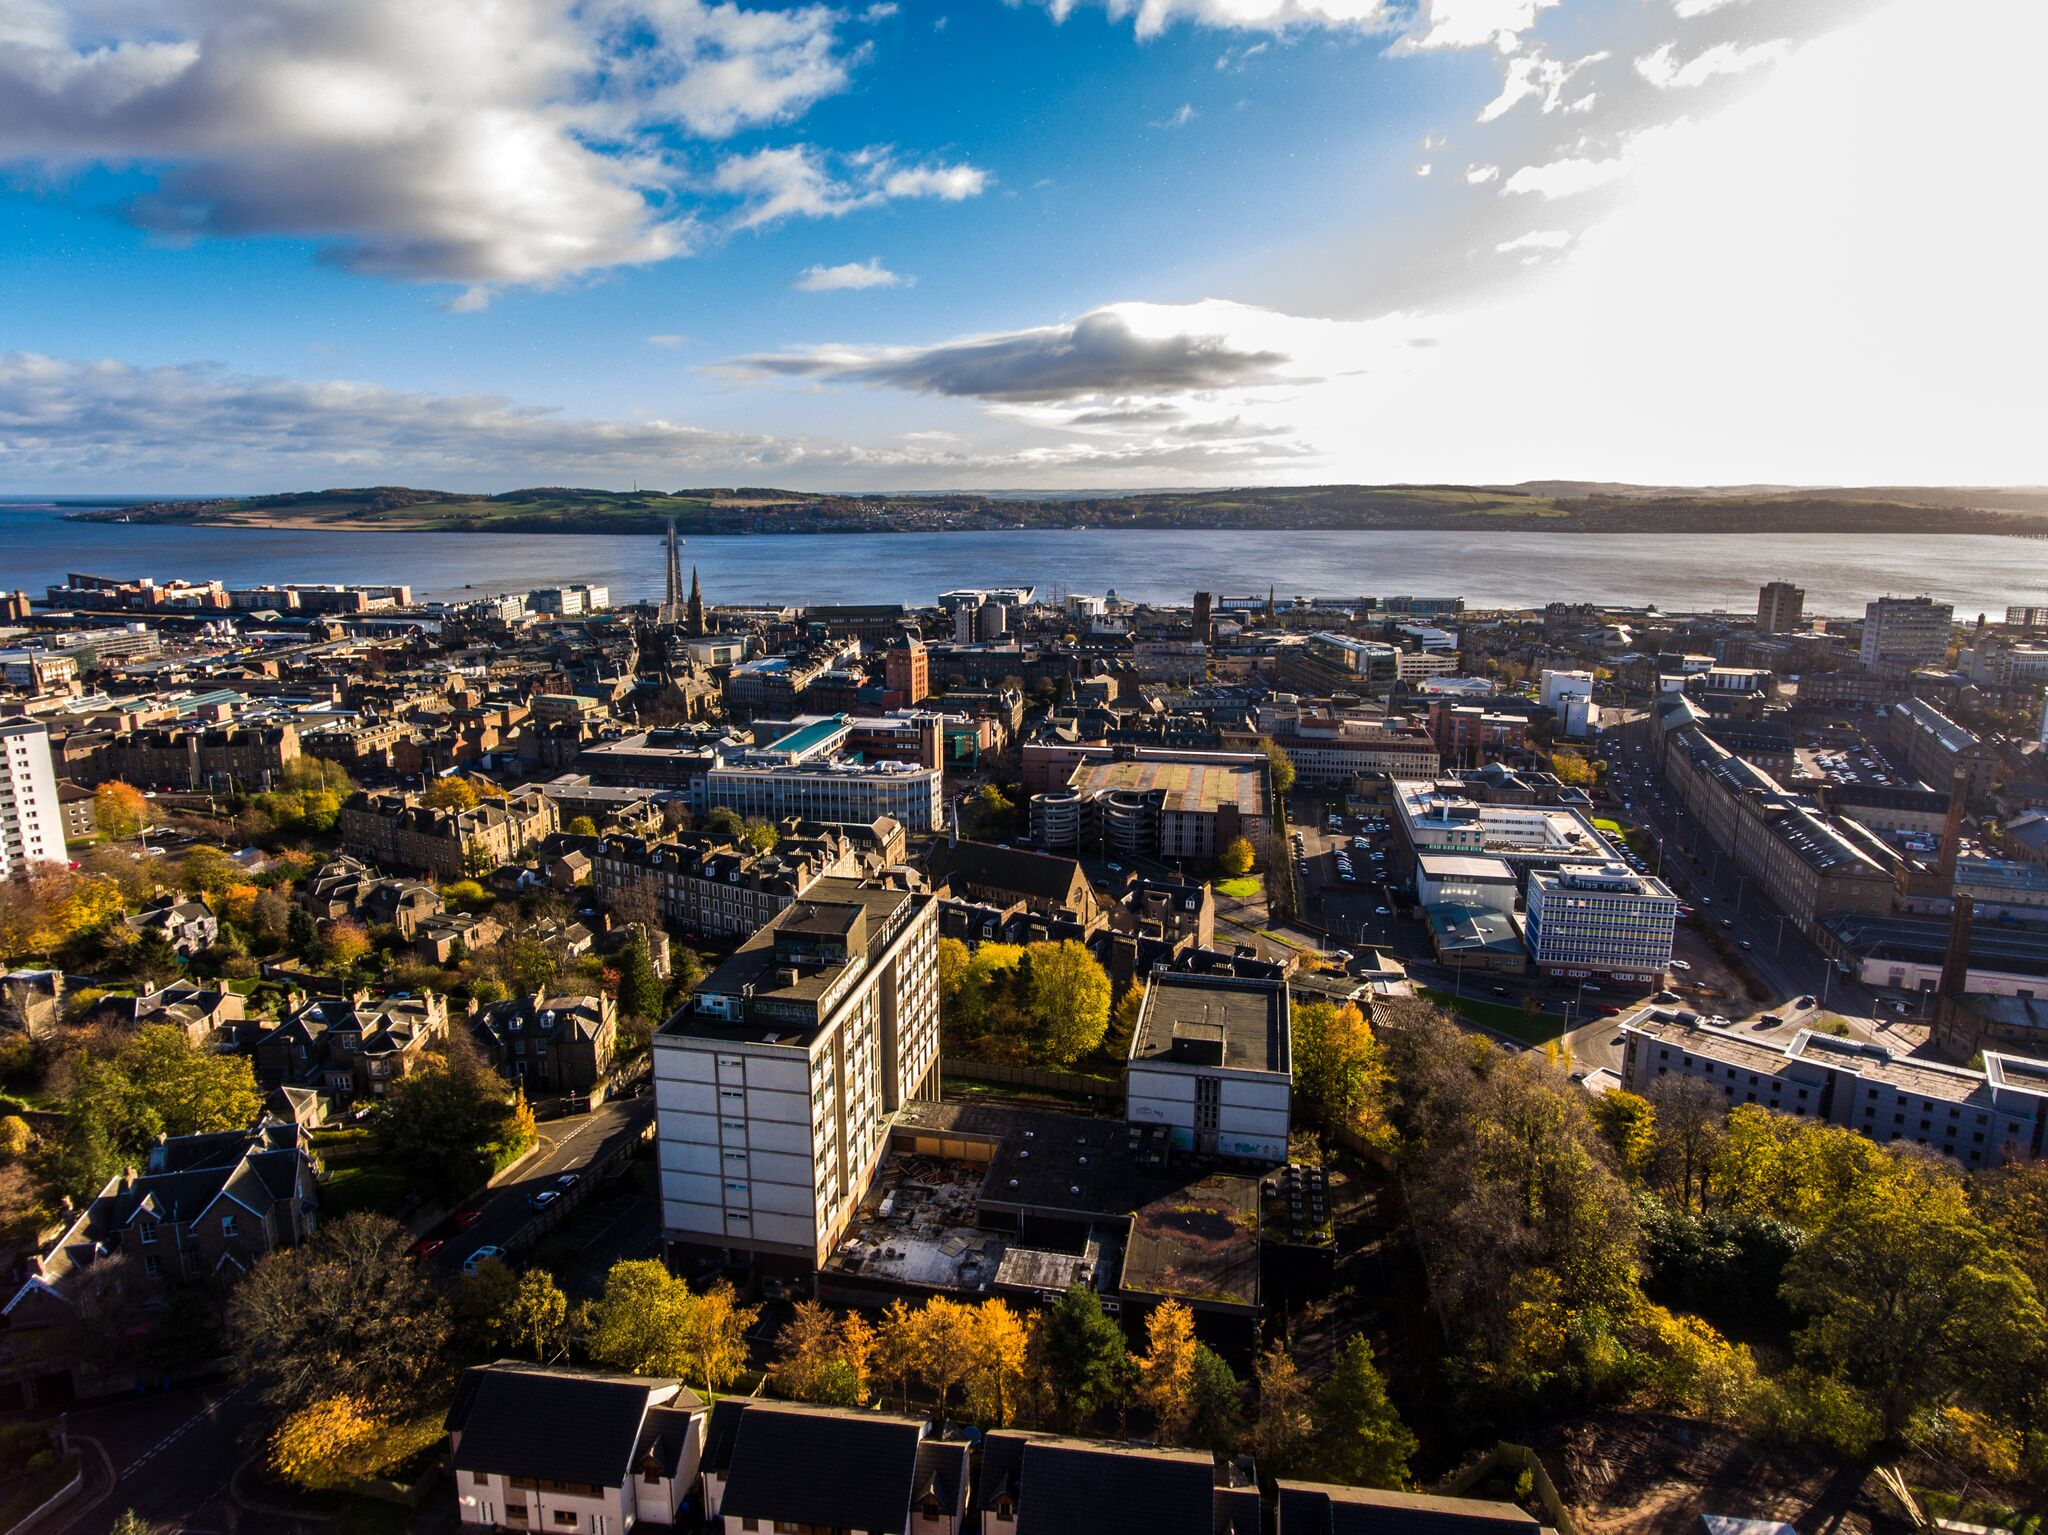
x=1974, y=572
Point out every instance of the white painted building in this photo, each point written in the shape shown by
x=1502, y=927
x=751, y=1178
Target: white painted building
x=1571, y=695
x=1600, y=919
x=774, y=1085
x=31, y=817
x=585, y=1452
x=1454, y=879
x=1212, y=1058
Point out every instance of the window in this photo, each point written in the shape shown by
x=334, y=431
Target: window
x=479, y=1478
x=152, y=1268
x=147, y=1233
x=227, y=1225
x=566, y=1516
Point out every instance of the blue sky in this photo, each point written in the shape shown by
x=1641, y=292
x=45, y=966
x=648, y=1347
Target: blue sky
x=485, y=243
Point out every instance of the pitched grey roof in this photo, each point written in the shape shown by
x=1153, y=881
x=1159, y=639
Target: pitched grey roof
x=559, y=1425
x=1069, y=1485
x=821, y=1466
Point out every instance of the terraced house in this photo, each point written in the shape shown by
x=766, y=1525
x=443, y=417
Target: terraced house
x=395, y=830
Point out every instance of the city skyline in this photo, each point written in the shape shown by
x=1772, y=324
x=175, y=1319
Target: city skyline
x=1020, y=246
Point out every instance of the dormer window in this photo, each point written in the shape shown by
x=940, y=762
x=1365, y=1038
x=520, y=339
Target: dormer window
x=146, y=1233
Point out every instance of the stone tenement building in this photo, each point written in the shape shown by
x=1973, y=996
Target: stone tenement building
x=395, y=831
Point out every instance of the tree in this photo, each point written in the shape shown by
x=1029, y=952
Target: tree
x=155, y=1084
x=448, y=1122
x=1691, y=1123
x=1337, y=1067
x=724, y=822
x=995, y=1380
x=1216, y=1417
x=1069, y=998
x=642, y=1322
x=128, y=1522
x=1282, y=1431
x=465, y=895
x=15, y=1139
x=716, y=1336
x=898, y=1344
x=581, y=826
x=1237, y=859
x=1361, y=1439
x=340, y=945
x=804, y=1351
x=947, y=1338
x=450, y=794
x=482, y=1306
x=1629, y=1123
x=1085, y=1358
x=640, y=993
x=760, y=836
x=538, y=1315
x=326, y=1444
x=1166, y=1373
x=1280, y=766
x=46, y=905
x=1909, y=1296
x=1572, y=770
x=121, y=810
x=346, y=1312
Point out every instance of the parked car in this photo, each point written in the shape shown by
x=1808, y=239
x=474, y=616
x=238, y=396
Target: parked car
x=480, y=1257
x=568, y=1180
x=426, y=1247
x=544, y=1198
x=464, y=1219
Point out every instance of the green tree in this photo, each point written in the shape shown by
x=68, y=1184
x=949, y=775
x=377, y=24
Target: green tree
x=1909, y=1296
x=1360, y=1439
x=1237, y=859
x=1280, y=766
x=156, y=1084
x=1216, y=1405
x=15, y=1139
x=128, y=1522
x=1282, y=1432
x=640, y=992
x=642, y=1321
x=1337, y=1067
x=760, y=836
x=447, y=1123
x=482, y=1307
x=538, y=1317
x=581, y=826
x=344, y=1312
x=1069, y=998
x=1085, y=1358
x=724, y=822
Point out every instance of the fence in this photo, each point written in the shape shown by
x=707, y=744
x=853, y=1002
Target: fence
x=1515, y=1457
x=1103, y=1089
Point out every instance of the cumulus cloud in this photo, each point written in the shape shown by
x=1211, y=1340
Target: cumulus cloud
x=1687, y=9
x=803, y=180
x=1535, y=76
x=1474, y=23
x=481, y=142
x=1479, y=175
x=1537, y=239
x=849, y=275
x=1663, y=70
x=1567, y=177
x=1153, y=17
x=1123, y=351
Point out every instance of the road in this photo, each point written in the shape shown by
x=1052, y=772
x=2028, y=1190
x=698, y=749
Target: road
x=173, y=1456
x=567, y=1146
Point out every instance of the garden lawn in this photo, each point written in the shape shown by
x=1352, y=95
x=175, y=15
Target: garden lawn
x=1243, y=888
x=1533, y=1029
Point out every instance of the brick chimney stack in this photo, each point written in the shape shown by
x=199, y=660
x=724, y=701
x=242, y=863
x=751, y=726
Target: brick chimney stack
x=1952, y=829
x=1955, y=965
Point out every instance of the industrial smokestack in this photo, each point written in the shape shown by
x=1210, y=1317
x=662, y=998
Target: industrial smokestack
x=1952, y=828
x=1955, y=965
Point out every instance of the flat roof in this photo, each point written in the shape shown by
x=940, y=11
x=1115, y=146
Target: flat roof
x=1466, y=866
x=1199, y=1244
x=1201, y=786
x=1237, y=1024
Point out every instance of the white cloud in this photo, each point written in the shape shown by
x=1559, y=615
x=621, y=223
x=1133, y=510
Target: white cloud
x=1567, y=177
x=669, y=339
x=849, y=275
x=1662, y=69
x=1535, y=75
x=1423, y=169
x=1537, y=239
x=801, y=180
x=1153, y=17
x=1687, y=9
x=1177, y=119
x=882, y=10
x=1479, y=175
x=1434, y=141
x=1474, y=23
x=480, y=142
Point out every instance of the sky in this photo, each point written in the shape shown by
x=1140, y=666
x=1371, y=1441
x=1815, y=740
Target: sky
x=260, y=245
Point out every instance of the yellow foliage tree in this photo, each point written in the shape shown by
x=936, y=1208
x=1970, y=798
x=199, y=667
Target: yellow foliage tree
x=995, y=1380
x=120, y=809
x=1236, y=860
x=328, y=1444
x=1166, y=1373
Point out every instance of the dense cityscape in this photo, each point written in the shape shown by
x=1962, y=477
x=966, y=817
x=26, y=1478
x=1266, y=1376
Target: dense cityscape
x=1280, y=1062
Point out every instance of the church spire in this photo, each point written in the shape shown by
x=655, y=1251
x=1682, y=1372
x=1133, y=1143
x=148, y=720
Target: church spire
x=696, y=604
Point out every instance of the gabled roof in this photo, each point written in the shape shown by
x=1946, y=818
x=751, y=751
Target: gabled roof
x=1071, y=1485
x=555, y=1424
x=1315, y=1508
x=823, y=1466
x=941, y=1473
x=1041, y=876
x=721, y=1432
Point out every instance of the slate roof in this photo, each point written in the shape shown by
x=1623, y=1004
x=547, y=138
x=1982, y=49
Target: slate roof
x=1313, y=1508
x=720, y=1433
x=1070, y=1485
x=663, y=1438
x=558, y=1425
x=942, y=1472
x=822, y=1466
x=1042, y=876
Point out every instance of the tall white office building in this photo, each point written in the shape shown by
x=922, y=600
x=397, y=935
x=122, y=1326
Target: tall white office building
x=1594, y=919
x=774, y=1086
x=31, y=820
x=1905, y=631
